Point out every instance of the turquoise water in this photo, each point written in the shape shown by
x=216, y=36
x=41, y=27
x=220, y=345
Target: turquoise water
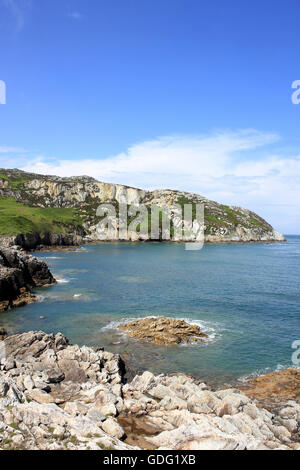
x=246, y=297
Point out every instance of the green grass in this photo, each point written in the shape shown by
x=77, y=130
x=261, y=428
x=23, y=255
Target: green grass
x=14, y=182
x=257, y=223
x=232, y=216
x=16, y=218
x=213, y=220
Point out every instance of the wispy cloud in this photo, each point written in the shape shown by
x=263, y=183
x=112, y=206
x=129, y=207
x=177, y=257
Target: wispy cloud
x=15, y=150
x=17, y=11
x=75, y=15
x=236, y=168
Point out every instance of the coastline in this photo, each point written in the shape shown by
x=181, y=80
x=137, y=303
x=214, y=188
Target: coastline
x=62, y=248
x=56, y=396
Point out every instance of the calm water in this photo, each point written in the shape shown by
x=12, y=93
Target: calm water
x=246, y=297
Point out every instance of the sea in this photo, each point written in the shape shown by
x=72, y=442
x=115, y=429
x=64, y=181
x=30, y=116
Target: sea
x=246, y=297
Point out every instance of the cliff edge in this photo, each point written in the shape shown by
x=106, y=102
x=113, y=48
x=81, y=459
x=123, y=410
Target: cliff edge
x=62, y=211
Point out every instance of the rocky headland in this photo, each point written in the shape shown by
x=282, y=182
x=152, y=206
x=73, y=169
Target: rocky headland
x=57, y=396
x=19, y=273
x=39, y=210
x=163, y=331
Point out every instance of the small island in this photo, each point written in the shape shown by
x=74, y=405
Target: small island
x=164, y=331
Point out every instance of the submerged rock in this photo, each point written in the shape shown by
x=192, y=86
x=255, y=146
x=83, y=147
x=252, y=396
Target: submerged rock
x=163, y=331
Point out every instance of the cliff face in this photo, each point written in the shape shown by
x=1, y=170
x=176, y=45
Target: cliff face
x=70, y=204
x=19, y=273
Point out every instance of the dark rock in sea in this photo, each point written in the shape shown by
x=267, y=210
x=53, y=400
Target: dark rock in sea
x=3, y=334
x=19, y=273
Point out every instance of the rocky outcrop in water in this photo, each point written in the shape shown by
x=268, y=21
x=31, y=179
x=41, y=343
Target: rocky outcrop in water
x=223, y=224
x=164, y=331
x=57, y=396
x=19, y=273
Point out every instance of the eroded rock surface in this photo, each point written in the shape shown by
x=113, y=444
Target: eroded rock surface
x=19, y=273
x=164, y=331
x=272, y=390
x=57, y=396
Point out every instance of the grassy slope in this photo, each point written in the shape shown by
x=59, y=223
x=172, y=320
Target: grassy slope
x=16, y=218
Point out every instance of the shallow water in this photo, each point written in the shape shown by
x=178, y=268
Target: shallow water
x=246, y=297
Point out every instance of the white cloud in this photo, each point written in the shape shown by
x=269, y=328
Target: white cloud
x=230, y=167
x=180, y=161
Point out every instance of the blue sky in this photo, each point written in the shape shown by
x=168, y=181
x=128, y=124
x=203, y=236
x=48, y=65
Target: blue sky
x=185, y=94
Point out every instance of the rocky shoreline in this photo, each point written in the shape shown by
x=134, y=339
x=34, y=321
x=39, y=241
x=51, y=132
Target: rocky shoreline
x=19, y=273
x=57, y=396
x=42, y=242
x=71, y=242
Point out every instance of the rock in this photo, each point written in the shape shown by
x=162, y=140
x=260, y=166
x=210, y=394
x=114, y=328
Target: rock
x=46, y=241
x=95, y=415
x=204, y=437
x=40, y=384
x=163, y=331
x=289, y=412
x=3, y=333
x=40, y=396
x=28, y=383
x=111, y=427
x=284, y=384
x=142, y=382
x=19, y=273
x=202, y=402
x=108, y=410
x=54, y=375
x=165, y=412
x=290, y=424
x=74, y=374
x=9, y=364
